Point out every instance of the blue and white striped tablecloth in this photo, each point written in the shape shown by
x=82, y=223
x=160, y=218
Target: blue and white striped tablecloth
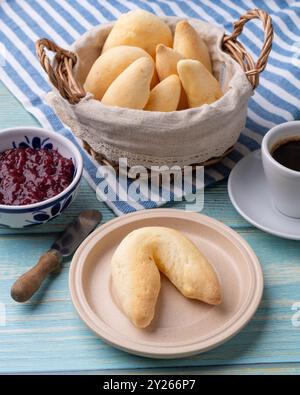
x=276, y=100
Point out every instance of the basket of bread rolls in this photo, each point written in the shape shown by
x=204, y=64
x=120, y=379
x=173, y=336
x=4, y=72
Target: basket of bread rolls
x=156, y=90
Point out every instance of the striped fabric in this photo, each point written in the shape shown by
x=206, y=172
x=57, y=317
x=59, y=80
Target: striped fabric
x=276, y=100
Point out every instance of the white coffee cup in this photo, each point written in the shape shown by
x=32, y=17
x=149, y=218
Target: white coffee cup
x=283, y=182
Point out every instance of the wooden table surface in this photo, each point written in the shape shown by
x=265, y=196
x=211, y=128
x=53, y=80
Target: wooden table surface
x=46, y=335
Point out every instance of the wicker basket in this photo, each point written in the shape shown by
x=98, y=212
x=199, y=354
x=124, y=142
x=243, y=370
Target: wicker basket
x=62, y=72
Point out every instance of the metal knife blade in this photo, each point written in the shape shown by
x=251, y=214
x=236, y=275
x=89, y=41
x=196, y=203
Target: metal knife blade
x=76, y=232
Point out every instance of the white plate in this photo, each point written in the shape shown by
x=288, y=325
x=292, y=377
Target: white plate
x=249, y=193
x=182, y=326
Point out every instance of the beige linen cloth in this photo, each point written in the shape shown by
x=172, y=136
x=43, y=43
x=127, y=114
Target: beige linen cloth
x=155, y=138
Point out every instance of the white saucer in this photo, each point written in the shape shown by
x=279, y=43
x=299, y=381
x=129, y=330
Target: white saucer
x=249, y=193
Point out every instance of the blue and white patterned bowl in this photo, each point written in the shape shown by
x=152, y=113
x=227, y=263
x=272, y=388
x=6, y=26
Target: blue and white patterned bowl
x=42, y=212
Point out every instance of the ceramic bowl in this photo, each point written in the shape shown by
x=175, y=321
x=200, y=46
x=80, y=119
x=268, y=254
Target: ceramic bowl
x=41, y=212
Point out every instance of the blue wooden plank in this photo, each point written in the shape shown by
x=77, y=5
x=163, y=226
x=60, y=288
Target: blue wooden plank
x=46, y=334
x=12, y=113
x=254, y=369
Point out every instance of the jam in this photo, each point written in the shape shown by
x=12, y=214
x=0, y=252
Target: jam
x=29, y=175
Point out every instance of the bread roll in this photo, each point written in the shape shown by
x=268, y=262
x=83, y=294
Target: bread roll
x=166, y=64
x=190, y=45
x=199, y=84
x=111, y=64
x=131, y=88
x=155, y=79
x=136, y=279
x=139, y=28
x=166, y=61
x=165, y=96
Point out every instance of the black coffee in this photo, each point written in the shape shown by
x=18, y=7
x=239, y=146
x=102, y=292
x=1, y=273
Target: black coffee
x=287, y=153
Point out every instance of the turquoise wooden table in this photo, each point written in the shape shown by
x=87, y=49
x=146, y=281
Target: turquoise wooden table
x=46, y=335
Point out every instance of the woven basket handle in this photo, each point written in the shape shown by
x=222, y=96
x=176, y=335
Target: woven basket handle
x=238, y=52
x=61, y=75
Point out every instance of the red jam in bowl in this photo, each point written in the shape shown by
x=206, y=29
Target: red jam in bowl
x=29, y=175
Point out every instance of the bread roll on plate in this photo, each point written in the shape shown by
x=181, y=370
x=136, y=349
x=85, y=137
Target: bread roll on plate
x=131, y=89
x=110, y=65
x=139, y=28
x=165, y=96
x=199, y=84
x=136, y=278
x=190, y=45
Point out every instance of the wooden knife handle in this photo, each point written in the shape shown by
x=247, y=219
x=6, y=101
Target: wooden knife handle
x=30, y=282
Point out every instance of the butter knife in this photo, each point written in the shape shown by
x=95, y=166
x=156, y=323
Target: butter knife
x=66, y=244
